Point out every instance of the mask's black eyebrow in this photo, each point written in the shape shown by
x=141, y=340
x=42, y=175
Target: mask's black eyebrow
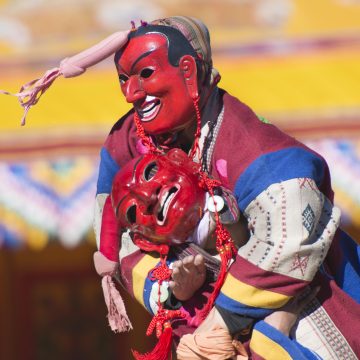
x=145, y=54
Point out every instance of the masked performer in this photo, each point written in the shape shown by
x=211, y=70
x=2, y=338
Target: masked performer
x=282, y=187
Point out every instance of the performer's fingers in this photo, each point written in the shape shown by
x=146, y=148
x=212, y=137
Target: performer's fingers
x=188, y=262
x=179, y=265
x=172, y=284
x=199, y=263
x=177, y=274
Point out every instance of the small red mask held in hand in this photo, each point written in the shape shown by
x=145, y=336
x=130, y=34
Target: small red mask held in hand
x=159, y=197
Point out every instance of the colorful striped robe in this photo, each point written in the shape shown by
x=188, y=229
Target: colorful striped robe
x=283, y=188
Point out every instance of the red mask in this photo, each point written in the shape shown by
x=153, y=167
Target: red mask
x=158, y=197
x=156, y=88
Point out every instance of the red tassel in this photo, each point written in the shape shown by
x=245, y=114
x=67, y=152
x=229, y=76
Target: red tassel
x=226, y=249
x=224, y=245
x=161, y=321
x=200, y=317
x=162, y=350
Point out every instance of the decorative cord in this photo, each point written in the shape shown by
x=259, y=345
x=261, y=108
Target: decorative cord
x=196, y=148
x=161, y=321
x=146, y=140
x=224, y=245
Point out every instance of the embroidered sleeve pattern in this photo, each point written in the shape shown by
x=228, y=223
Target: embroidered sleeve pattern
x=292, y=225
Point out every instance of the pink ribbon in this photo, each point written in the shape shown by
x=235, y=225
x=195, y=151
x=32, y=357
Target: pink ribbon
x=76, y=65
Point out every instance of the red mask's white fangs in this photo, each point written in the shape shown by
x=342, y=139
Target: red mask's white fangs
x=165, y=202
x=150, y=109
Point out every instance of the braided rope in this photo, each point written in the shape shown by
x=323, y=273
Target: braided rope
x=146, y=140
x=196, y=148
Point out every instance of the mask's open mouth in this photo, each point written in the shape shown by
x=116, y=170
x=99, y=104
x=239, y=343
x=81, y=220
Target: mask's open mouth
x=165, y=202
x=150, y=109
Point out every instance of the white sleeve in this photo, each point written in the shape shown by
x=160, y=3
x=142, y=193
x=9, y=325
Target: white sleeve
x=292, y=225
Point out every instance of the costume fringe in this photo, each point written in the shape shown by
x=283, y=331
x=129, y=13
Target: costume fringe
x=31, y=92
x=117, y=316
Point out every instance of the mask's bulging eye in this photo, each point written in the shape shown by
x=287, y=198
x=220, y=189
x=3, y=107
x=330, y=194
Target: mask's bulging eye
x=150, y=171
x=123, y=78
x=131, y=214
x=146, y=73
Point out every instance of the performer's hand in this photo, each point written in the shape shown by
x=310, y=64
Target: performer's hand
x=285, y=318
x=188, y=276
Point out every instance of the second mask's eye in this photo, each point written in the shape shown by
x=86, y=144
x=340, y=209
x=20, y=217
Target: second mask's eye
x=150, y=171
x=146, y=73
x=131, y=214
